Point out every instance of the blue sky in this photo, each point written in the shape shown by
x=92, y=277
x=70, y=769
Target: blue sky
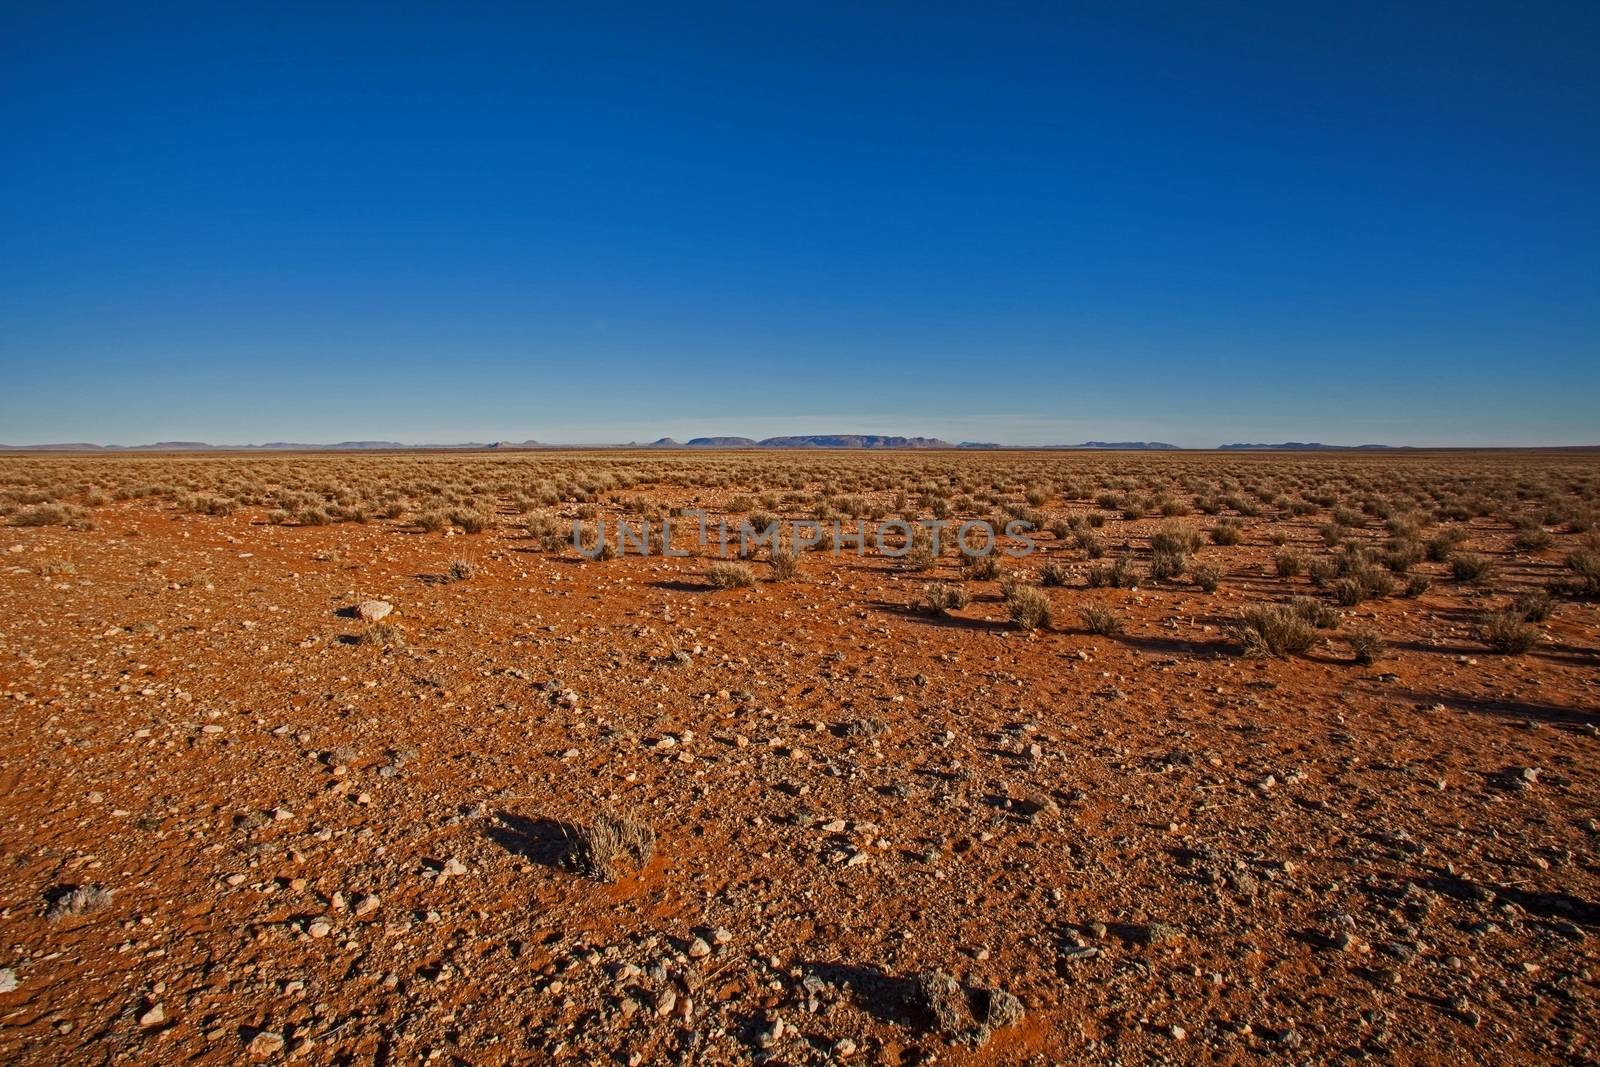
x=1024, y=223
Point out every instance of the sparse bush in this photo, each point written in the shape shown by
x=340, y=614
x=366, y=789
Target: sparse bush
x=1417, y=585
x=1535, y=605
x=1208, y=576
x=612, y=846
x=1315, y=612
x=1273, y=630
x=1467, y=567
x=1028, y=606
x=1508, y=633
x=982, y=568
x=785, y=564
x=472, y=522
x=1118, y=575
x=1054, y=573
x=1366, y=646
x=1227, y=533
x=1532, y=538
x=79, y=900
x=432, y=521
x=1584, y=564
x=1176, y=538
x=1165, y=565
x=381, y=635
x=1322, y=570
x=939, y=597
x=459, y=570
x=1290, y=564
x=1099, y=619
x=728, y=575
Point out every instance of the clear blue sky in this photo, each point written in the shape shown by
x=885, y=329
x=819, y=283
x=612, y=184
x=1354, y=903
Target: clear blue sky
x=1027, y=223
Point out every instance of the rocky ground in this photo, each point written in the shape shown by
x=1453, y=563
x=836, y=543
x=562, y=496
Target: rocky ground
x=232, y=829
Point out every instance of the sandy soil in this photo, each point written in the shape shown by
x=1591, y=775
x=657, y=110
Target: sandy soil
x=343, y=852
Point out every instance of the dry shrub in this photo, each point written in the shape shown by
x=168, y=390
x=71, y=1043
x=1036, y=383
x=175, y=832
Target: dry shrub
x=1029, y=607
x=984, y=568
x=1534, y=605
x=1290, y=564
x=79, y=900
x=1508, y=633
x=785, y=564
x=939, y=597
x=1208, y=576
x=611, y=846
x=1468, y=567
x=1099, y=619
x=472, y=522
x=1273, y=630
x=728, y=575
x=459, y=570
x=432, y=521
x=1366, y=646
x=381, y=635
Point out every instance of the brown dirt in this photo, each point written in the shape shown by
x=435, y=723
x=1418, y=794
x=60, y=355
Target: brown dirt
x=1164, y=850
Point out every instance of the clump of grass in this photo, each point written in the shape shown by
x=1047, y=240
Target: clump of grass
x=984, y=568
x=42, y=515
x=1177, y=538
x=1322, y=570
x=1535, y=605
x=472, y=522
x=1318, y=614
x=729, y=575
x=1273, y=630
x=1099, y=619
x=1366, y=646
x=939, y=597
x=1028, y=606
x=611, y=846
x=1417, y=585
x=1208, y=576
x=381, y=635
x=1290, y=564
x=1166, y=565
x=79, y=900
x=1508, y=633
x=1531, y=538
x=785, y=564
x=1469, y=567
x=1054, y=573
x=432, y=521
x=1584, y=564
x=459, y=570
x=1118, y=574
x=1227, y=533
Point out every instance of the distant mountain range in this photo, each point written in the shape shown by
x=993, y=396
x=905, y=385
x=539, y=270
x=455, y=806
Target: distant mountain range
x=1308, y=446
x=864, y=441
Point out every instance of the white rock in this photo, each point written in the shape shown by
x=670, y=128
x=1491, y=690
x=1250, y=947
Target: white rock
x=373, y=610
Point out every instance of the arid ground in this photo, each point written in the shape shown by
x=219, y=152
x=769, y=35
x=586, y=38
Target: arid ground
x=1299, y=768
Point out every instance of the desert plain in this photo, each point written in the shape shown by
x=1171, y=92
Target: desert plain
x=1253, y=758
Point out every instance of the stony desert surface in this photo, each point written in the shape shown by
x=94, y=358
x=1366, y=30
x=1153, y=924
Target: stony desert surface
x=541, y=808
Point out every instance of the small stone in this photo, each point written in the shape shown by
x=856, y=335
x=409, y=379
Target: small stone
x=154, y=1015
x=266, y=1043
x=319, y=928
x=373, y=610
x=698, y=949
x=367, y=905
x=8, y=979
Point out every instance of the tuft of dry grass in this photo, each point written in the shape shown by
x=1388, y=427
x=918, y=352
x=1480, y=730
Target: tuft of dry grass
x=1508, y=633
x=729, y=575
x=939, y=597
x=1273, y=630
x=381, y=635
x=79, y=900
x=1099, y=619
x=1366, y=646
x=1028, y=606
x=612, y=846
